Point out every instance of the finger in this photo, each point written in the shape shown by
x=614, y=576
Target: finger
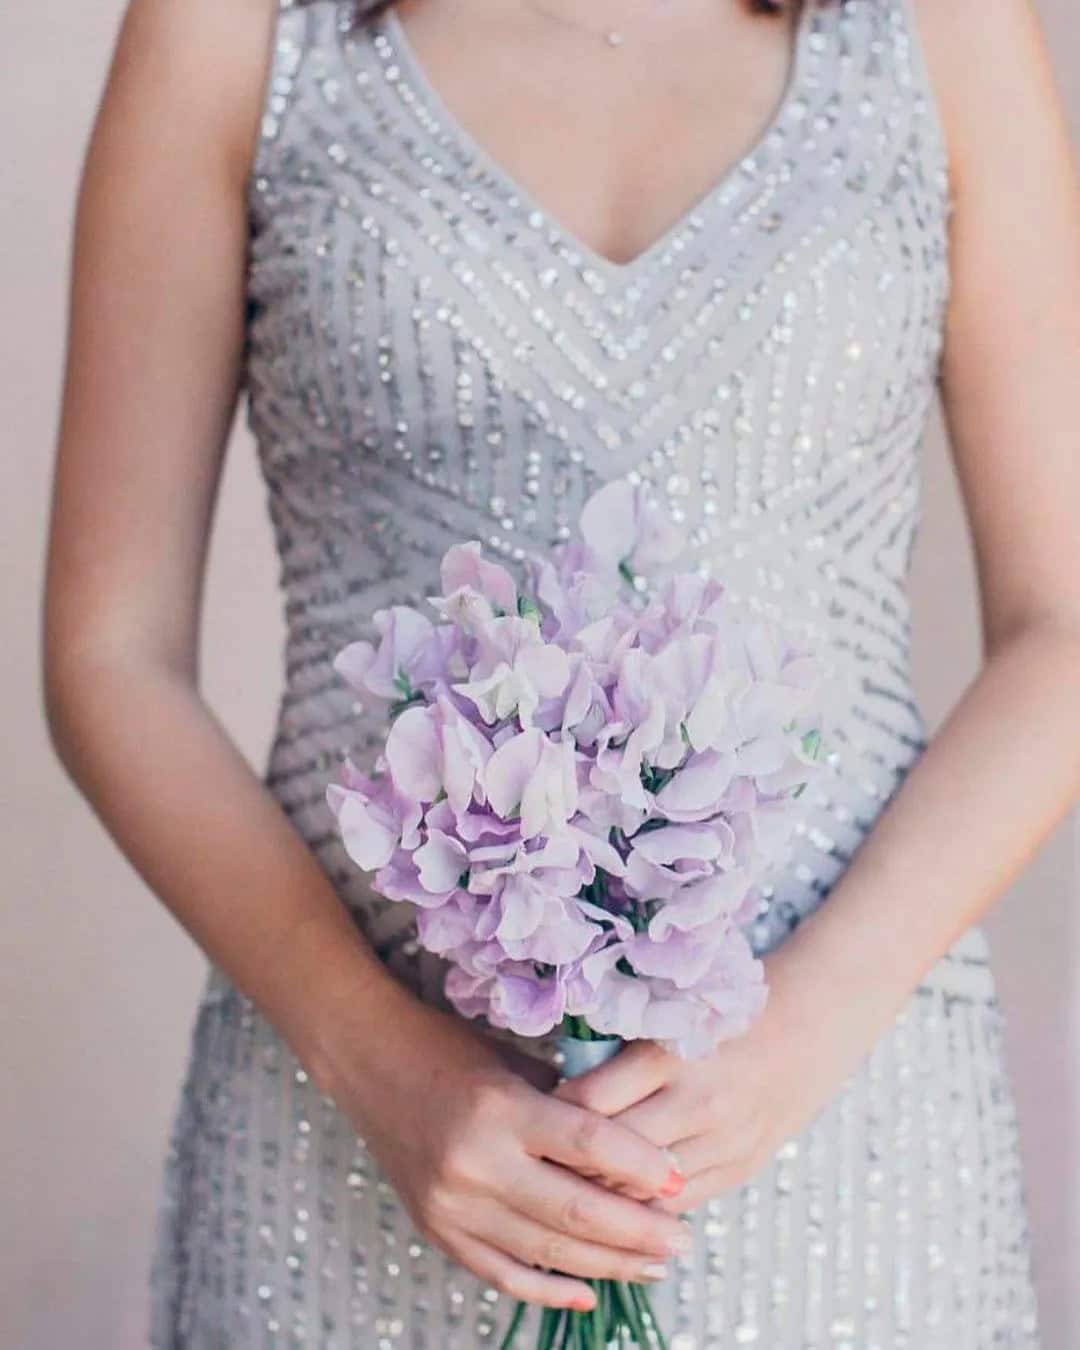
x=536, y=1245
x=665, y=1119
x=702, y=1188
x=711, y=1150
x=591, y=1143
x=520, y=1281
x=631, y=1189
x=629, y=1077
x=562, y=1200
x=636, y=1190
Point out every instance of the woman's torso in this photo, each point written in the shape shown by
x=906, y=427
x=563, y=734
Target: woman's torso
x=430, y=360
x=433, y=358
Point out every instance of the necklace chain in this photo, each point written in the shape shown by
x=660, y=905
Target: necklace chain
x=612, y=37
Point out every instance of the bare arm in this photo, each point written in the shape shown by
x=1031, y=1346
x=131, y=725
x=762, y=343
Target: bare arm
x=151, y=386
x=1004, y=768
x=156, y=337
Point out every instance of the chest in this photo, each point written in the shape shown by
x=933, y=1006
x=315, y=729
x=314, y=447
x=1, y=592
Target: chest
x=618, y=132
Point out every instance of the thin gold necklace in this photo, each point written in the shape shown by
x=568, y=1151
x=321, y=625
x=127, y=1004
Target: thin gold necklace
x=611, y=37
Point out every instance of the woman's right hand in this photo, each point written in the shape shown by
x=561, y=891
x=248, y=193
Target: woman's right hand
x=491, y=1168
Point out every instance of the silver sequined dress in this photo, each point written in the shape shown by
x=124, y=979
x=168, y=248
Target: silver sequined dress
x=432, y=358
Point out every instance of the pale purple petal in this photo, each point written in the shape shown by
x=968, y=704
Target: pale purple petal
x=412, y=753
x=549, y=795
x=718, y=897
x=440, y=861
x=509, y=769
x=697, y=786
x=464, y=565
x=353, y=663
x=368, y=832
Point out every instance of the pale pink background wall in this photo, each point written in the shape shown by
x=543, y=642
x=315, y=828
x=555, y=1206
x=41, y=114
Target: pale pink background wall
x=97, y=982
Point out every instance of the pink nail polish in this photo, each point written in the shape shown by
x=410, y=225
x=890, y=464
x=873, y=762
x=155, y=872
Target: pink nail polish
x=674, y=1184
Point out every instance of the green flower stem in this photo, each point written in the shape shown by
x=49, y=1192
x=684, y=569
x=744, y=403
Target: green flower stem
x=645, y=1309
x=512, y=1330
x=622, y=1311
x=610, y=1328
x=549, y=1328
x=598, y=1320
x=628, y=1304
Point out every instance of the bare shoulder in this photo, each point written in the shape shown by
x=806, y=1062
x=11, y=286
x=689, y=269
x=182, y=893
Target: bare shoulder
x=194, y=72
x=992, y=75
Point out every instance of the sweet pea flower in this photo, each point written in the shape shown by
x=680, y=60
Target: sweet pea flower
x=685, y=604
x=464, y=567
x=560, y=859
x=696, y=791
x=535, y=778
x=440, y=861
x=373, y=817
x=514, y=997
x=412, y=754
x=513, y=671
x=626, y=529
x=531, y=922
x=464, y=753
x=661, y=862
x=400, y=879
x=388, y=669
x=585, y=782
x=570, y=593
x=721, y=898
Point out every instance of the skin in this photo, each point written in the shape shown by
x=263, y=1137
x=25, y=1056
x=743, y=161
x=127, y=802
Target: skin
x=507, y=1177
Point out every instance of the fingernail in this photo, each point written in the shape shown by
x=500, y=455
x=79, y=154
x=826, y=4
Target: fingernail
x=654, y=1272
x=680, y=1242
x=674, y=1183
x=583, y=1304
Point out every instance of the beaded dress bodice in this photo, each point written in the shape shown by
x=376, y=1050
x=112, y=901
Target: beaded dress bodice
x=433, y=358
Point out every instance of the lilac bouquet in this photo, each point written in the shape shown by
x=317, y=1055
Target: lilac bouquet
x=584, y=781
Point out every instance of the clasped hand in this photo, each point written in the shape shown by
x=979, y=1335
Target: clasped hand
x=723, y=1117
x=537, y=1188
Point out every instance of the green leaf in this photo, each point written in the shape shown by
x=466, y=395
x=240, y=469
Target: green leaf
x=528, y=608
x=655, y=780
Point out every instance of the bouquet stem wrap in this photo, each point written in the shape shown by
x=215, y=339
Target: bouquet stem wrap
x=623, y=1316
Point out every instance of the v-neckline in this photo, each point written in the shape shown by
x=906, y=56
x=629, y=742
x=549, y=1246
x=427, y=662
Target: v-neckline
x=401, y=44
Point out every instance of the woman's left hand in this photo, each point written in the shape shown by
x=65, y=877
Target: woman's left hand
x=724, y=1116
